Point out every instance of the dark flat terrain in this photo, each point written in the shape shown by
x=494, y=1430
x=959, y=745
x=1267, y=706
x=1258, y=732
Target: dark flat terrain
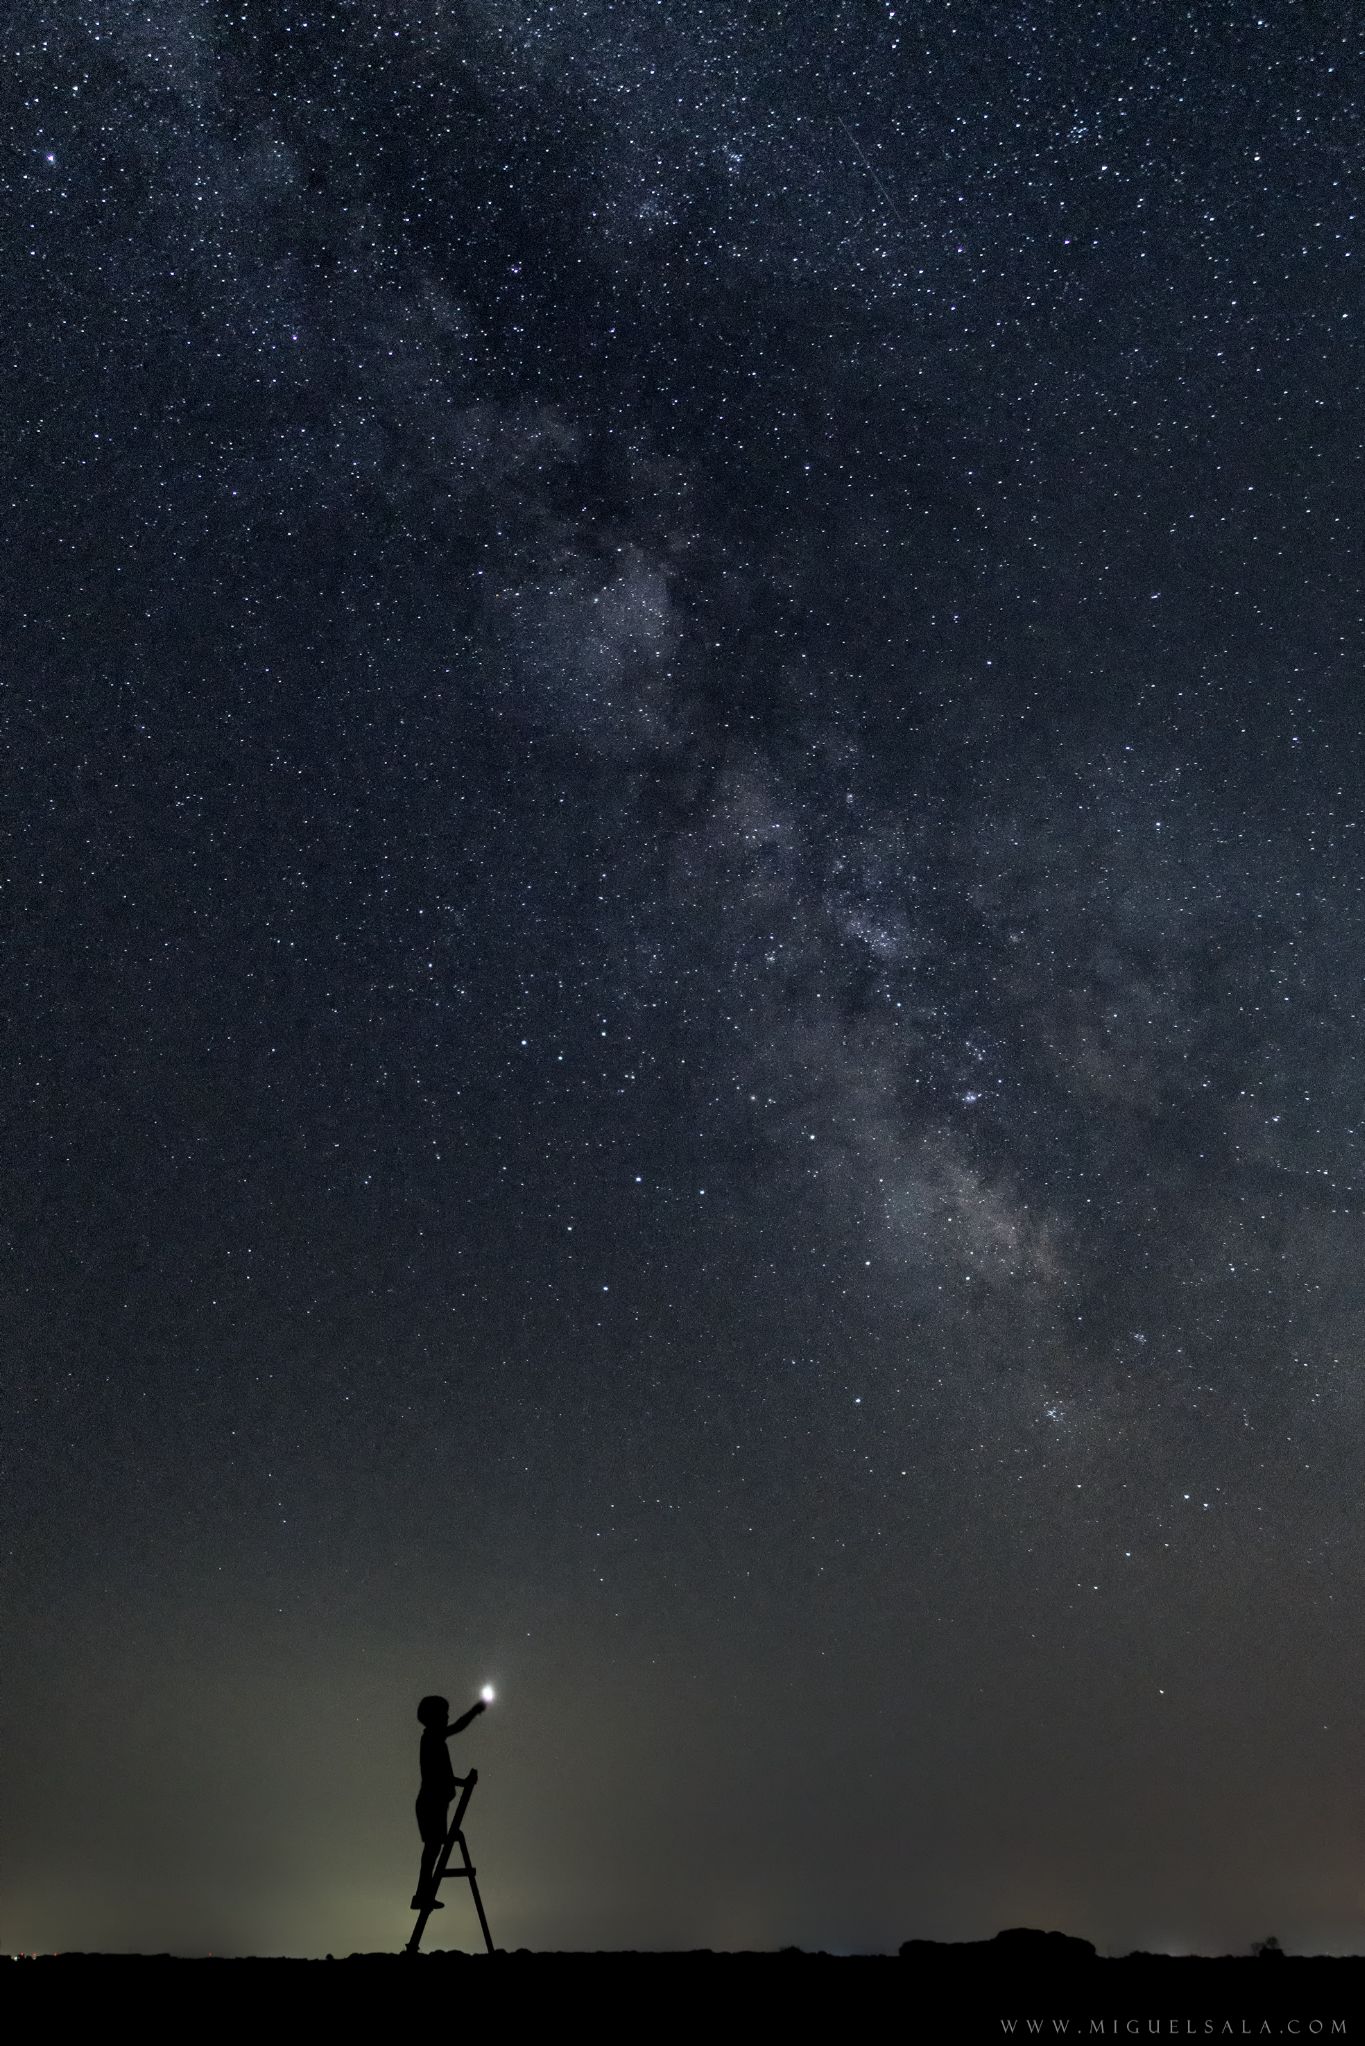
x=1017, y=1986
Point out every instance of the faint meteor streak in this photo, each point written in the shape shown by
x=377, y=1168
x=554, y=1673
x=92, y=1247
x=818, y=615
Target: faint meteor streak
x=870, y=168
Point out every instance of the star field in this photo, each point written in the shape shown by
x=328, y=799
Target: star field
x=685, y=937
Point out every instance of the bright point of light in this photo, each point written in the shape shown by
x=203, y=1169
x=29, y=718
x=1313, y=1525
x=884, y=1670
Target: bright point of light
x=487, y=1694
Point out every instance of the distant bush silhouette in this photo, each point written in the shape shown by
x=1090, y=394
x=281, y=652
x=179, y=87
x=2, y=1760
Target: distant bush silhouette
x=1267, y=1949
x=1017, y=1946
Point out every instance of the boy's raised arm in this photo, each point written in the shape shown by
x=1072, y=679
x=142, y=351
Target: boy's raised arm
x=459, y=1725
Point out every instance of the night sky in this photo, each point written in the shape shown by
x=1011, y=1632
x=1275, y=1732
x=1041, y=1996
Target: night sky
x=684, y=949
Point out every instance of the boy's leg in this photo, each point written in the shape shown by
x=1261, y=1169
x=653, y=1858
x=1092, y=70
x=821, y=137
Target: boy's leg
x=433, y=1828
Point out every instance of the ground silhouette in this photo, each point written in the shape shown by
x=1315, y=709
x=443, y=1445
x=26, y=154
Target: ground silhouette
x=1023, y=1983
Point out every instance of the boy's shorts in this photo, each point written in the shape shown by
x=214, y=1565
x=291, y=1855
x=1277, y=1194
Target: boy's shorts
x=432, y=1818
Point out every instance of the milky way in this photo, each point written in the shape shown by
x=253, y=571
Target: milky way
x=684, y=940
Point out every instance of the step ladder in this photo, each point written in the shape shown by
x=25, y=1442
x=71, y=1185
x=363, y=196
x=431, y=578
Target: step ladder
x=441, y=1873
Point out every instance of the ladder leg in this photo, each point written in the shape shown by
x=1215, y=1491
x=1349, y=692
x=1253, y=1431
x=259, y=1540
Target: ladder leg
x=414, y=1944
x=478, y=1900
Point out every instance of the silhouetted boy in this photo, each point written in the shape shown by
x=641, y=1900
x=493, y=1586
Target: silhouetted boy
x=438, y=1786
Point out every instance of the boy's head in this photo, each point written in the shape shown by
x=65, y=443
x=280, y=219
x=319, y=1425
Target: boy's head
x=434, y=1711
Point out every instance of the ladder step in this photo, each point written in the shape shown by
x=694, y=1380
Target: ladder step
x=448, y=1873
